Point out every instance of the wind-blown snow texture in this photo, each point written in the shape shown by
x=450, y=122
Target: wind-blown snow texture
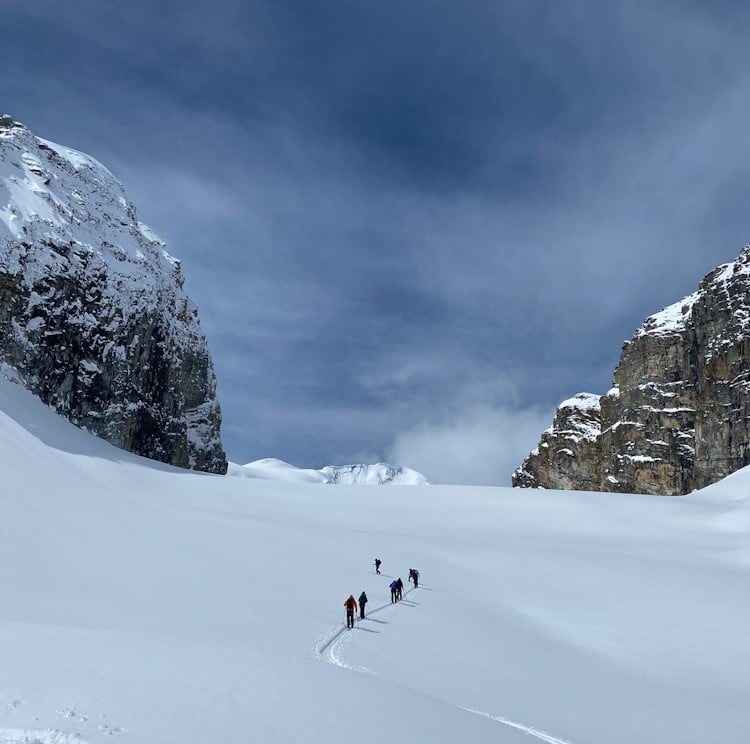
x=381, y=474
x=92, y=312
x=141, y=603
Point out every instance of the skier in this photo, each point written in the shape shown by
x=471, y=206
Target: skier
x=351, y=605
x=416, y=578
x=400, y=587
x=377, y=565
x=362, y=603
x=411, y=574
x=394, y=590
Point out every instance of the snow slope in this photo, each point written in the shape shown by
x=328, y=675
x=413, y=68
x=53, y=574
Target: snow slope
x=142, y=603
x=382, y=473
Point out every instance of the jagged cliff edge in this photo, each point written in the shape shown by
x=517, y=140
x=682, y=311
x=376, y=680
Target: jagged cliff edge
x=678, y=415
x=93, y=317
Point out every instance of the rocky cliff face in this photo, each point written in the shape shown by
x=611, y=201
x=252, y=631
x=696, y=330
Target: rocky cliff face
x=92, y=312
x=678, y=415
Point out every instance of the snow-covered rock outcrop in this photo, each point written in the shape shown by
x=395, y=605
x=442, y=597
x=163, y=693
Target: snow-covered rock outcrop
x=373, y=475
x=92, y=312
x=678, y=416
x=377, y=475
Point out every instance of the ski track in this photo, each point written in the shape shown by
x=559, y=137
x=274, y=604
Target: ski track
x=329, y=647
x=530, y=730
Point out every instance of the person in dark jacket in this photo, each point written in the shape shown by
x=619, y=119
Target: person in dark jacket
x=377, y=565
x=415, y=576
x=351, y=605
x=362, y=603
x=400, y=587
x=394, y=590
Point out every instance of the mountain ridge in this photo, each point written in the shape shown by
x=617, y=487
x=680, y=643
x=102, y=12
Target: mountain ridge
x=379, y=474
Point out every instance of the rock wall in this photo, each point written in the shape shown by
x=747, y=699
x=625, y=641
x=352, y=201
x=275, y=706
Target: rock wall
x=678, y=415
x=92, y=312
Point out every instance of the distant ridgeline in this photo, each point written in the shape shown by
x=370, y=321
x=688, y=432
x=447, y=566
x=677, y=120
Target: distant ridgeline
x=678, y=415
x=92, y=313
x=381, y=474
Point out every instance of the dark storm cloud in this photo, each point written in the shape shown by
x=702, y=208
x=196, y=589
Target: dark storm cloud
x=407, y=226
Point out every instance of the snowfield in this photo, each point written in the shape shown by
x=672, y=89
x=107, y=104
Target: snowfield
x=141, y=603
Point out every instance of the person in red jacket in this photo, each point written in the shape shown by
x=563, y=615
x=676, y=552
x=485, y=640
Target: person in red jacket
x=351, y=606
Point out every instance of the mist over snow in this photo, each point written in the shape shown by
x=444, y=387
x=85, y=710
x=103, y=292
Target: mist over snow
x=479, y=446
x=144, y=603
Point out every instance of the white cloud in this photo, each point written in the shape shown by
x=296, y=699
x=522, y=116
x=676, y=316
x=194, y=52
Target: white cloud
x=482, y=446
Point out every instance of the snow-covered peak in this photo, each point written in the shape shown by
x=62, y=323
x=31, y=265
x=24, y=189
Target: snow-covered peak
x=94, y=318
x=374, y=475
x=674, y=318
x=380, y=474
x=48, y=191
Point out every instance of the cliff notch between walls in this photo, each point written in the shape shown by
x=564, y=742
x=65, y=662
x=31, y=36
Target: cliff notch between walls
x=678, y=415
x=93, y=317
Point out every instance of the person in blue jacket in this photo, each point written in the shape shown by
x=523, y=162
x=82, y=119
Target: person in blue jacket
x=394, y=590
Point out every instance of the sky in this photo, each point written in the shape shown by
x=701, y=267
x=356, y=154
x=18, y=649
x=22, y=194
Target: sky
x=411, y=229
